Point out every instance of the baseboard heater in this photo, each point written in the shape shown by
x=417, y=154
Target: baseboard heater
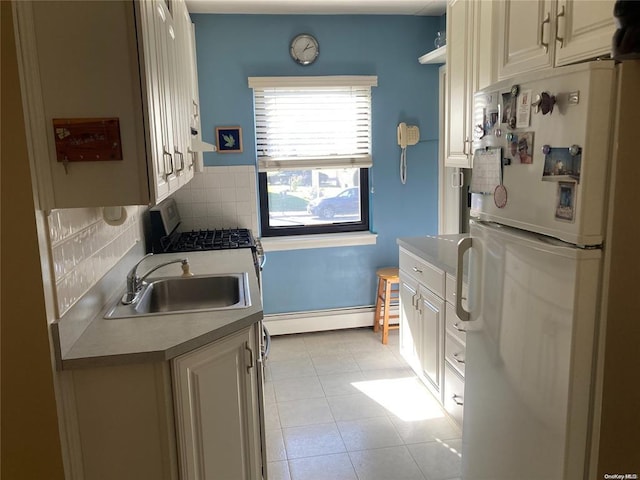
x=319, y=320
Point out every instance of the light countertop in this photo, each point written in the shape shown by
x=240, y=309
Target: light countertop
x=438, y=250
x=162, y=337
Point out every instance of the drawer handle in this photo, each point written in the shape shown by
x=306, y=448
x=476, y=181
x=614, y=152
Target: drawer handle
x=457, y=359
x=457, y=327
x=455, y=398
x=417, y=270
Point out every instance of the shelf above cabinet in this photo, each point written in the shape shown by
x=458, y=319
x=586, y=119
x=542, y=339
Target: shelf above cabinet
x=439, y=55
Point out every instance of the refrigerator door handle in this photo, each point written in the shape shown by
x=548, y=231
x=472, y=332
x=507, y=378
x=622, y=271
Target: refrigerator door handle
x=463, y=245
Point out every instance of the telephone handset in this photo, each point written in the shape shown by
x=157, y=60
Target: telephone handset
x=407, y=135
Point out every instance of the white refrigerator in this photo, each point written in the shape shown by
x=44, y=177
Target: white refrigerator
x=534, y=264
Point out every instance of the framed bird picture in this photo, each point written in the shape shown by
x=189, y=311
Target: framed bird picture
x=229, y=139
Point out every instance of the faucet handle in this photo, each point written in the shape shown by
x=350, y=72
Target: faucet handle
x=186, y=272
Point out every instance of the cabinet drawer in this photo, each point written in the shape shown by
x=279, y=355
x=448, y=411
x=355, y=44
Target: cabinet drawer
x=454, y=353
x=453, y=393
x=455, y=326
x=433, y=278
x=450, y=290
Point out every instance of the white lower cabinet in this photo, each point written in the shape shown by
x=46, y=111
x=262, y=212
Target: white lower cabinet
x=410, y=325
x=198, y=416
x=454, y=363
x=431, y=315
x=216, y=406
x=432, y=337
x=421, y=331
x=454, y=393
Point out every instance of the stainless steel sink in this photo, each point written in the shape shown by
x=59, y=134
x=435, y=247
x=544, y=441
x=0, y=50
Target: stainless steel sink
x=188, y=294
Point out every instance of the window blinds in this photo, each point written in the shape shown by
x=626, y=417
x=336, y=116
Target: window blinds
x=312, y=122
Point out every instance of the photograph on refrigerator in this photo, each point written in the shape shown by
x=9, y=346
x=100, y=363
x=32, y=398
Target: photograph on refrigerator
x=524, y=147
x=560, y=164
x=566, y=200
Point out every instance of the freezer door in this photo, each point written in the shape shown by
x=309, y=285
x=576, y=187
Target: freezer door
x=557, y=193
x=528, y=356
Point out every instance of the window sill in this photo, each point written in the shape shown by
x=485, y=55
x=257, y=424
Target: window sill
x=299, y=242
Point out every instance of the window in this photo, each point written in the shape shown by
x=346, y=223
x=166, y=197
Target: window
x=313, y=140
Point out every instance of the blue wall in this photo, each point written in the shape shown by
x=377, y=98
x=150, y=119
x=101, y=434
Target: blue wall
x=233, y=47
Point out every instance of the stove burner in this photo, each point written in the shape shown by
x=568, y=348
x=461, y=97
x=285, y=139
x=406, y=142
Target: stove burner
x=210, y=240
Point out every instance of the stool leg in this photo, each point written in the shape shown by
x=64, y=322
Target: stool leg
x=376, y=317
x=387, y=306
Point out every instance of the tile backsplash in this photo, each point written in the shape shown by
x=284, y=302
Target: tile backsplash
x=220, y=197
x=84, y=247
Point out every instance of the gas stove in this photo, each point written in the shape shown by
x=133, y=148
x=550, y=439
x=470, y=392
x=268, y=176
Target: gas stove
x=166, y=237
x=217, y=239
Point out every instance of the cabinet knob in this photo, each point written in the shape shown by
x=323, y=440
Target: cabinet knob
x=455, y=398
x=417, y=270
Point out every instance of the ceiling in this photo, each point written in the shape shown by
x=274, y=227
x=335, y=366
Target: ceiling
x=320, y=7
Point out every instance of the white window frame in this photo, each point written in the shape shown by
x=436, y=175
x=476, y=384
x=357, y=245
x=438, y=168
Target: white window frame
x=276, y=154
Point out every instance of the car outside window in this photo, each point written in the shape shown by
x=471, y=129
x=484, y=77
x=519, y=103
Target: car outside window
x=314, y=201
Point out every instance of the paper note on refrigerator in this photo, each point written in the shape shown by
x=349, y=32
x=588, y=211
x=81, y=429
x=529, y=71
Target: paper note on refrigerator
x=487, y=170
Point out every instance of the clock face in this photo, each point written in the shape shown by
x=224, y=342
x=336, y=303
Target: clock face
x=304, y=49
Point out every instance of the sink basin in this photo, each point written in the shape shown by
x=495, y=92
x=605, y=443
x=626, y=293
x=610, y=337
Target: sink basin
x=188, y=294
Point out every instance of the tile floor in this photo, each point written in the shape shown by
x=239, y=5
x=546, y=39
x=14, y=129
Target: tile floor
x=342, y=406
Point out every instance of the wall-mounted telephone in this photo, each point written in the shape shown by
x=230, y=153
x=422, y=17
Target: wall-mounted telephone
x=407, y=135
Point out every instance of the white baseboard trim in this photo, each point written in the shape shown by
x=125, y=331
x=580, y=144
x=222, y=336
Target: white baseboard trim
x=319, y=320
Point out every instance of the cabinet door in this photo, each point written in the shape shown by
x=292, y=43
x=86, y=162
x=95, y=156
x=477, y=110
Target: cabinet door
x=165, y=42
x=181, y=89
x=79, y=60
x=484, y=51
x=152, y=52
x=457, y=139
x=216, y=402
x=584, y=30
x=410, y=325
x=526, y=36
x=431, y=314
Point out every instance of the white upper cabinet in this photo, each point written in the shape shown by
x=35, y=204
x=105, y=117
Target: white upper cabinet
x=470, y=66
x=585, y=30
x=107, y=89
x=524, y=28
x=458, y=86
x=535, y=34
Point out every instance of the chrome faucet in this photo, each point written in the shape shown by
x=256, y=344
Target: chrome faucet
x=135, y=283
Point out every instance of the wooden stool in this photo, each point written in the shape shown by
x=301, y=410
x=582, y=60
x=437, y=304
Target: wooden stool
x=388, y=296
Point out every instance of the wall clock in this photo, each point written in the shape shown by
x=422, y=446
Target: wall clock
x=304, y=49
